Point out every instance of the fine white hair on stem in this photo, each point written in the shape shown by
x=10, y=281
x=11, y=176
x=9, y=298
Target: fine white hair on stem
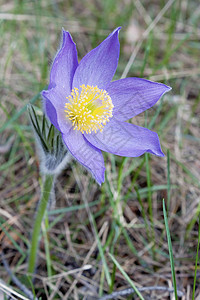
x=51, y=164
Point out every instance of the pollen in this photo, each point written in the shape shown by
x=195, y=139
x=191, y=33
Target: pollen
x=88, y=108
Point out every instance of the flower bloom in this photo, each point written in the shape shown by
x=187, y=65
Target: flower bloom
x=90, y=111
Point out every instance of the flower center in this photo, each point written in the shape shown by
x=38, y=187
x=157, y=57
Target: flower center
x=89, y=108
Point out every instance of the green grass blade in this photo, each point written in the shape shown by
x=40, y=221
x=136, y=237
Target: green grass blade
x=143, y=212
x=170, y=251
x=196, y=262
x=71, y=208
x=18, y=248
x=150, y=205
x=126, y=276
x=101, y=252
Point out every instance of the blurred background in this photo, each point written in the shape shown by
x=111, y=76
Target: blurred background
x=160, y=41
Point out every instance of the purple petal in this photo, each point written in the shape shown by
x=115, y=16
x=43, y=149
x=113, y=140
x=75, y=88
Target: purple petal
x=51, y=113
x=54, y=103
x=131, y=96
x=89, y=156
x=126, y=139
x=99, y=65
x=64, y=65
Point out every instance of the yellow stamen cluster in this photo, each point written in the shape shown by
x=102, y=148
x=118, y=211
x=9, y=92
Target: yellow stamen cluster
x=89, y=108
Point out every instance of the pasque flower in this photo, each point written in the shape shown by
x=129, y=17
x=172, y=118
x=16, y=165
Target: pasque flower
x=90, y=111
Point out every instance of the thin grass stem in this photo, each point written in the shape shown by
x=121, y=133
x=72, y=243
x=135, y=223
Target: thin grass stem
x=168, y=182
x=170, y=251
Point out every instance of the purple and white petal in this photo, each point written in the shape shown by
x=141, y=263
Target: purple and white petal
x=99, y=65
x=89, y=156
x=54, y=105
x=64, y=65
x=131, y=96
x=126, y=139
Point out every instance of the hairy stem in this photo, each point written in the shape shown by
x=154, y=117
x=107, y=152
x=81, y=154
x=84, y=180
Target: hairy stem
x=46, y=193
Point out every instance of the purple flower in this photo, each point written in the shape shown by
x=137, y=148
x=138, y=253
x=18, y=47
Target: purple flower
x=89, y=110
